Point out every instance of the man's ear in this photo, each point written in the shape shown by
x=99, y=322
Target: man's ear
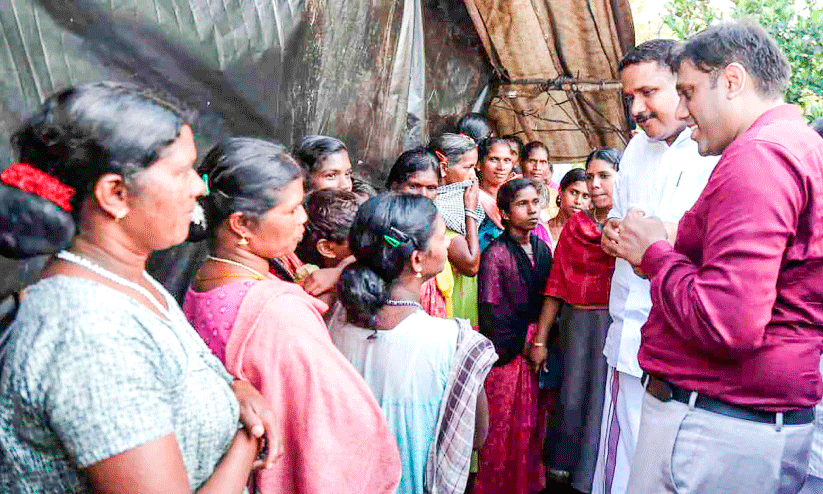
x=734, y=77
x=112, y=195
x=325, y=248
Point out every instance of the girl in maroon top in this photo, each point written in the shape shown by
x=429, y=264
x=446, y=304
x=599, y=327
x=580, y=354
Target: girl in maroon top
x=581, y=277
x=513, y=272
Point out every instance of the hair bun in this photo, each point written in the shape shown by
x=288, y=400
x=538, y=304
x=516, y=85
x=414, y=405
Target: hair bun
x=31, y=226
x=363, y=293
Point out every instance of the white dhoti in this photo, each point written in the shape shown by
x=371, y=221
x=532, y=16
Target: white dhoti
x=618, y=432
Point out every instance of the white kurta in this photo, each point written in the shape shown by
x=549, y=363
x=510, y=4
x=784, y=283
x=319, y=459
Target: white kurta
x=665, y=181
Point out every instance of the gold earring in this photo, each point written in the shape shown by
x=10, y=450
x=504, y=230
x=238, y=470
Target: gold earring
x=418, y=275
x=243, y=241
x=119, y=216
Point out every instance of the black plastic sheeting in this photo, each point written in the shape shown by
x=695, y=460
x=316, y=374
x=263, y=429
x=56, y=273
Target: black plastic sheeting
x=379, y=74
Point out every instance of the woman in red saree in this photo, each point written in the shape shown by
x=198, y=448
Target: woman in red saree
x=581, y=277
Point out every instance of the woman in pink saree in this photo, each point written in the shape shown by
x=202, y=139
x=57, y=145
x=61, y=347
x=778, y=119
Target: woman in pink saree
x=271, y=333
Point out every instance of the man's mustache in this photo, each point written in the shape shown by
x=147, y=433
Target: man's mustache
x=642, y=117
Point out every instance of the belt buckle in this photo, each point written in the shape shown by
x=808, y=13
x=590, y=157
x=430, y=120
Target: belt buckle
x=660, y=389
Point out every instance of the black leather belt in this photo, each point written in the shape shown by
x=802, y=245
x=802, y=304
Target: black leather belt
x=666, y=391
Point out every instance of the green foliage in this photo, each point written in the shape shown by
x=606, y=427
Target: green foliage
x=797, y=26
x=686, y=17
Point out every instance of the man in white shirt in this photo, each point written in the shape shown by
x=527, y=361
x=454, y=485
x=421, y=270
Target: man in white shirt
x=662, y=173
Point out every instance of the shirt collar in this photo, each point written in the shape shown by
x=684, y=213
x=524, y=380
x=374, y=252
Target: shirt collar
x=684, y=135
x=781, y=112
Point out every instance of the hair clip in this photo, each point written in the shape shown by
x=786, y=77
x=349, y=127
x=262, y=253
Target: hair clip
x=35, y=181
x=205, y=178
x=393, y=242
x=397, y=238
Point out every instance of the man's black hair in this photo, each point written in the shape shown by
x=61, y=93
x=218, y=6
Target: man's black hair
x=661, y=51
x=744, y=42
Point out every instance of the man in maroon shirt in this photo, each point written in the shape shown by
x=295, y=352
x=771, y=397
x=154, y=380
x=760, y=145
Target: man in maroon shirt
x=733, y=341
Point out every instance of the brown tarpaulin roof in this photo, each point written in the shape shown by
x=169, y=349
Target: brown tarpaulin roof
x=533, y=40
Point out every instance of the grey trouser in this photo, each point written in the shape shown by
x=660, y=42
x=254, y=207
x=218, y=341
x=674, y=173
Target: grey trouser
x=684, y=451
x=813, y=485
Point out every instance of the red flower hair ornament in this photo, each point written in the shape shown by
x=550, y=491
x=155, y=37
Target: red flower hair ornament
x=26, y=177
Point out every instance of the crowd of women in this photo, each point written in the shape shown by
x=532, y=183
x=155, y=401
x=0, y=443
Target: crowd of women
x=445, y=336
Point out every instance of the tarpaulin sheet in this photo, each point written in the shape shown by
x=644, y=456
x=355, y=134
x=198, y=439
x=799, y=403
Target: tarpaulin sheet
x=549, y=39
x=356, y=69
x=379, y=74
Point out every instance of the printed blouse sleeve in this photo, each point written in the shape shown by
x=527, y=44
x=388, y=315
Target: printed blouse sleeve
x=105, y=394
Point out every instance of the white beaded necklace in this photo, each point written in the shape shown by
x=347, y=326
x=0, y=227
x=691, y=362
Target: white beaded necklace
x=105, y=273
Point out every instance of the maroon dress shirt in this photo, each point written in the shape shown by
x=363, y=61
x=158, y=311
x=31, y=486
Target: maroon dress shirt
x=737, y=308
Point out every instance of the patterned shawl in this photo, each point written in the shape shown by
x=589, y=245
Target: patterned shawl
x=447, y=468
x=449, y=202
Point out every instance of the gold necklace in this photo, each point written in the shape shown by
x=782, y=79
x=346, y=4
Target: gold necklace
x=256, y=273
